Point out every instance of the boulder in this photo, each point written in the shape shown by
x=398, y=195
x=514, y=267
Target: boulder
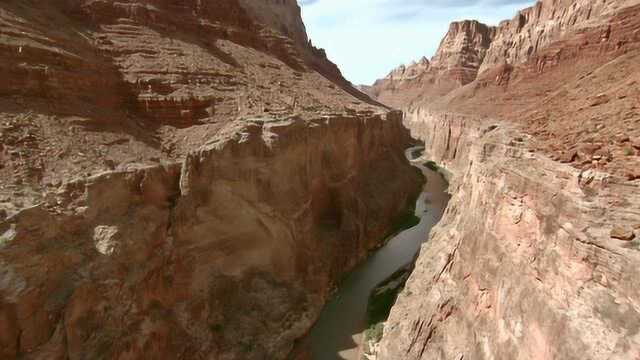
x=622, y=233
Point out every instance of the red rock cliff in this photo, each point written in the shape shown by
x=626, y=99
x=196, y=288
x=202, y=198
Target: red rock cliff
x=534, y=28
x=180, y=179
x=536, y=255
x=540, y=68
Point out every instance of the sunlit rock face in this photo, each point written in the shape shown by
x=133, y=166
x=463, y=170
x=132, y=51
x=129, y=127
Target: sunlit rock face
x=526, y=263
x=535, y=28
x=565, y=71
x=536, y=256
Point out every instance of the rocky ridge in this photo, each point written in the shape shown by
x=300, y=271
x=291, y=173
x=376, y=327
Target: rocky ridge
x=181, y=179
x=535, y=28
x=182, y=259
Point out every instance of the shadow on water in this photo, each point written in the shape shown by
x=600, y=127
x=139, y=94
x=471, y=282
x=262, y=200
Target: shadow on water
x=337, y=333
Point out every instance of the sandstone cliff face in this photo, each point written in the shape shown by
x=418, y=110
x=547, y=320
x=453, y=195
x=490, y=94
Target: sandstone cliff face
x=409, y=72
x=180, y=179
x=578, y=97
x=535, y=35
x=92, y=86
x=462, y=50
x=282, y=15
x=583, y=78
x=216, y=257
x=536, y=27
x=537, y=254
x=539, y=275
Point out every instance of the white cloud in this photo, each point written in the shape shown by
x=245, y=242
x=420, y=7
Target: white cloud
x=368, y=38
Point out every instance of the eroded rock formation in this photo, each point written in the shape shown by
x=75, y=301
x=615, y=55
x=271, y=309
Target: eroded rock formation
x=535, y=28
x=576, y=91
x=523, y=264
x=214, y=257
x=180, y=179
x=537, y=254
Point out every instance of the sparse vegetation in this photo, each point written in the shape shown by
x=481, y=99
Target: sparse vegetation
x=380, y=306
x=374, y=332
x=384, y=296
x=431, y=165
x=405, y=222
x=216, y=328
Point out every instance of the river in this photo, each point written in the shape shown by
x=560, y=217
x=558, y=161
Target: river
x=338, y=332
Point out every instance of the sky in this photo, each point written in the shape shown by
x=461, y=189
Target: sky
x=369, y=38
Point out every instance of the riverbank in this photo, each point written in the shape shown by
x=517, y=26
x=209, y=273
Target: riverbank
x=338, y=334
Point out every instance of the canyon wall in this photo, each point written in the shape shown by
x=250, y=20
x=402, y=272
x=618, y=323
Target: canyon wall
x=537, y=256
x=282, y=15
x=575, y=90
x=462, y=50
x=535, y=28
x=181, y=179
x=533, y=259
x=229, y=254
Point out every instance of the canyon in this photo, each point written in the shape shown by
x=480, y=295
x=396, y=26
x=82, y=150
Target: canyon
x=536, y=122
x=181, y=179
x=193, y=180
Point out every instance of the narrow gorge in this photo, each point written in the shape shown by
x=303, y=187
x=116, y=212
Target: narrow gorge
x=181, y=179
x=537, y=121
x=196, y=180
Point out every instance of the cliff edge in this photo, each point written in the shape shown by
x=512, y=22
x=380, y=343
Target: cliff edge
x=181, y=179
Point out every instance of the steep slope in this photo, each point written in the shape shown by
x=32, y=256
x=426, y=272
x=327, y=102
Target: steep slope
x=537, y=255
x=154, y=76
x=578, y=96
x=281, y=15
x=533, y=259
x=537, y=27
x=180, y=179
x=583, y=63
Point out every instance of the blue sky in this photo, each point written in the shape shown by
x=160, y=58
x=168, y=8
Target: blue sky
x=368, y=38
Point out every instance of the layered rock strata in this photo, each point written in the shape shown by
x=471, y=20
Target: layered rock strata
x=575, y=90
x=215, y=257
x=180, y=179
x=536, y=27
x=470, y=48
x=138, y=81
x=537, y=254
x=525, y=263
